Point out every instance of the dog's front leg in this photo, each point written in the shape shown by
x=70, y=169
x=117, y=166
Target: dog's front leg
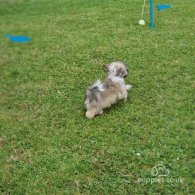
x=128, y=87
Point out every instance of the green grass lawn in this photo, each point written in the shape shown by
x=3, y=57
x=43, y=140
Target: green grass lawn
x=47, y=146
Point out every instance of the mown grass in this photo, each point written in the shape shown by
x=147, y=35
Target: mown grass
x=48, y=146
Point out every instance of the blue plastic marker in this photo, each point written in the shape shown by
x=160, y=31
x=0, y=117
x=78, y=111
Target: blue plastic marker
x=19, y=39
x=162, y=7
x=151, y=15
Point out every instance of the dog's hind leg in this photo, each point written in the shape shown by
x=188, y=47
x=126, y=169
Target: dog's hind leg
x=91, y=113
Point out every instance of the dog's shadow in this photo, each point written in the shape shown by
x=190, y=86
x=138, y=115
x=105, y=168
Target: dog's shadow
x=116, y=107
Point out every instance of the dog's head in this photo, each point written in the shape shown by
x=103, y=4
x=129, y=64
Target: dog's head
x=117, y=69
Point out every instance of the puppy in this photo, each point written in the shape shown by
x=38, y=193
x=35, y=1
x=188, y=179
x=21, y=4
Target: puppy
x=102, y=95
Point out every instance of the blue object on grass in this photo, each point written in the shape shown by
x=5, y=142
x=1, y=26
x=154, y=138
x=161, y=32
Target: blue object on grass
x=151, y=15
x=21, y=39
x=162, y=7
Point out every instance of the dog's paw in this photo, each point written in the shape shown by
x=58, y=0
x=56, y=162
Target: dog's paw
x=90, y=115
x=101, y=112
x=128, y=87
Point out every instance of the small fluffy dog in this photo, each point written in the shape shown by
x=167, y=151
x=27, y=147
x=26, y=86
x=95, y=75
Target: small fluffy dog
x=102, y=95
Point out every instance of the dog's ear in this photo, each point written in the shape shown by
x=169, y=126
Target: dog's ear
x=106, y=67
x=120, y=72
